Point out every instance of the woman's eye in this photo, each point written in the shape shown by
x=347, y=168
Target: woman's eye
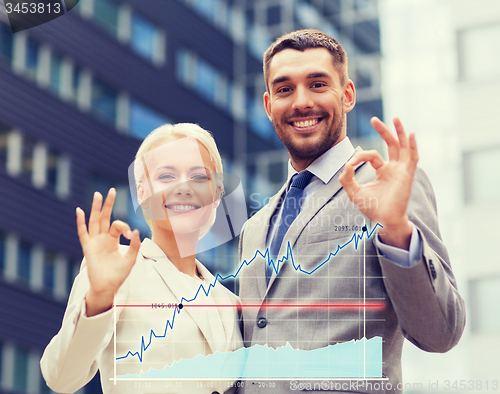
x=200, y=177
x=166, y=177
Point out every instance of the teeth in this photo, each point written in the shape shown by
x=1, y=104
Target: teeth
x=181, y=207
x=305, y=123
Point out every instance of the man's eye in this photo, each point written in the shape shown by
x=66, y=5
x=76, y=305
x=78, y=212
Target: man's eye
x=318, y=85
x=284, y=90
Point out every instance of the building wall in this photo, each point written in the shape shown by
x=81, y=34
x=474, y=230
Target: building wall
x=440, y=76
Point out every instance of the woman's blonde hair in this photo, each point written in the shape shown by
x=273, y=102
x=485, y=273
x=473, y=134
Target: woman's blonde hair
x=168, y=133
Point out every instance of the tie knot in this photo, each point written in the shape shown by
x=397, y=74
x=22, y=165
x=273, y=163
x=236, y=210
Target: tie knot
x=301, y=180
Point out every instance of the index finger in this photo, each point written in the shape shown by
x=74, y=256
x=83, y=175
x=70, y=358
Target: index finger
x=389, y=138
x=107, y=208
x=81, y=227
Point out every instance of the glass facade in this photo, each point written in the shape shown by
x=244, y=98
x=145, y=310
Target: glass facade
x=24, y=262
x=204, y=78
x=55, y=79
x=104, y=101
x=6, y=43
x=21, y=360
x=479, y=48
x=143, y=120
x=2, y=255
x=32, y=58
x=49, y=271
x=481, y=183
x=106, y=15
x=484, y=307
x=144, y=36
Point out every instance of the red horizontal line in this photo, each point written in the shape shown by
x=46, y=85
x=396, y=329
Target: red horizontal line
x=369, y=306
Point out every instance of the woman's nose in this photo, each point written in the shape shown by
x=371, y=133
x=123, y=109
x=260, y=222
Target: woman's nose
x=182, y=188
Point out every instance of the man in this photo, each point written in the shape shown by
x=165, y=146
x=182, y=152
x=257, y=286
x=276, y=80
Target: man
x=402, y=264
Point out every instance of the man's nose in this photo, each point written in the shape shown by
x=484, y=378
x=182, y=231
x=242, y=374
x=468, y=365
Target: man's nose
x=303, y=99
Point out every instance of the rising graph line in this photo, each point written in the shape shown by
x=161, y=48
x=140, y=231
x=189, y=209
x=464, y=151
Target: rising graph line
x=289, y=256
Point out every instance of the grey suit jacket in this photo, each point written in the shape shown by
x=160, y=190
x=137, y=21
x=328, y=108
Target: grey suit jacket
x=421, y=303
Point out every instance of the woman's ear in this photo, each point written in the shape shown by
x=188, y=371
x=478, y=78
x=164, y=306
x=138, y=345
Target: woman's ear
x=217, y=196
x=140, y=193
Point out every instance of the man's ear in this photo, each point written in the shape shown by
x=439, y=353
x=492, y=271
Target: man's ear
x=267, y=105
x=349, y=96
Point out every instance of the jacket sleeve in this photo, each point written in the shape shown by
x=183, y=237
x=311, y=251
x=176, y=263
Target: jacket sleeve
x=429, y=308
x=70, y=359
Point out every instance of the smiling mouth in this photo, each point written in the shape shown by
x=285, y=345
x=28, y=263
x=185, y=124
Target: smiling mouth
x=182, y=208
x=302, y=124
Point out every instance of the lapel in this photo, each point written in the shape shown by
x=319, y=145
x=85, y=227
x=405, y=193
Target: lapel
x=318, y=200
x=257, y=242
x=221, y=297
x=179, y=286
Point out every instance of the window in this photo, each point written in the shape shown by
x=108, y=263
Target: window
x=4, y=139
x=274, y=15
x=207, y=80
x=106, y=15
x=49, y=271
x=32, y=58
x=143, y=120
x=217, y=12
x=482, y=185
x=24, y=262
x=145, y=39
x=478, y=49
x=21, y=361
x=28, y=147
x=104, y=101
x=58, y=172
x=72, y=272
x=74, y=92
x=258, y=119
x=6, y=43
x=2, y=255
x=55, y=77
x=359, y=118
x=484, y=306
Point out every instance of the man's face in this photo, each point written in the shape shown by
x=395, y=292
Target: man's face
x=306, y=103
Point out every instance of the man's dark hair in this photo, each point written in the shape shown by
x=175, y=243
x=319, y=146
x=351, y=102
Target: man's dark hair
x=302, y=40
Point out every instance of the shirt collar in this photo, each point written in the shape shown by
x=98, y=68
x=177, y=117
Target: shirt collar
x=329, y=163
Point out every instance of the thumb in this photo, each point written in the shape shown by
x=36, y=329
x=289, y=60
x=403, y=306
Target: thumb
x=133, y=250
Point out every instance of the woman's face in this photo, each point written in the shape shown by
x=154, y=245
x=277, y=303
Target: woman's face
x=178, y=188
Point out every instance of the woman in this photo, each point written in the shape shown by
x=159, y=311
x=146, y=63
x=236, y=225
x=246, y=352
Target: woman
x=178, y=187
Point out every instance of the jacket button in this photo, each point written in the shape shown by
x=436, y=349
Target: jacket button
x=262, y=322
x=433, y=270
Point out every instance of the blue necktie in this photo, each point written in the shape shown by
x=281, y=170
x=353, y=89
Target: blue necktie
x=291, y=208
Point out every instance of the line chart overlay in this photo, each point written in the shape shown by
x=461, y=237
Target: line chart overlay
x=375, y=358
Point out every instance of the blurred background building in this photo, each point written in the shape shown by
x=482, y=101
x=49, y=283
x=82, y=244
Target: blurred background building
x=441, y=75
x=78, y=94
